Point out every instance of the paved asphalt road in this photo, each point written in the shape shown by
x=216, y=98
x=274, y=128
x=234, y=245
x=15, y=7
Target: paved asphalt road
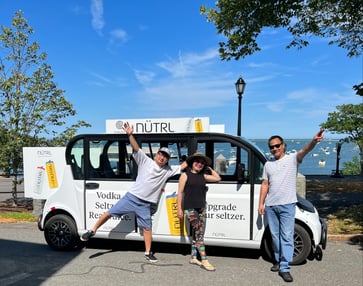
x=25, y=259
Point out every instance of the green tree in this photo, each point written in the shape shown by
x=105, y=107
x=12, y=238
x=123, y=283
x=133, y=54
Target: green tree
x=352, y=168
x=242, y=21
x=33, y=110
x=348, y=120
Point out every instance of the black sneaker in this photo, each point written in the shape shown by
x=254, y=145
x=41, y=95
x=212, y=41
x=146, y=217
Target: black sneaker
x=275, y=267
x=286, y=276
x=86, y=236
x=151, y=257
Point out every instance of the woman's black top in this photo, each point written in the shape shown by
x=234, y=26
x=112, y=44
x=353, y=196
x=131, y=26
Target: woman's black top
x=194, y=191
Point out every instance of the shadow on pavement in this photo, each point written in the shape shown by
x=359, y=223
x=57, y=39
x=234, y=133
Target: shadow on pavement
x=158, y=247
x=24, y=263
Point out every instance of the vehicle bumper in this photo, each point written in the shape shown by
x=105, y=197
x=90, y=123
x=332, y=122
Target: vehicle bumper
x=40, y=218
x=324, y=233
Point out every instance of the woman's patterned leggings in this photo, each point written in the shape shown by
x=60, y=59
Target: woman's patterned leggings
x=197, y=219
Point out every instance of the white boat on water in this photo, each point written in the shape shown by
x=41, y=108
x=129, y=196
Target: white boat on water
x=232, y=161
x=321, y=163
x=325, y=150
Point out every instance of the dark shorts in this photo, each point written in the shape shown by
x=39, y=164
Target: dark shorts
x=131, y=204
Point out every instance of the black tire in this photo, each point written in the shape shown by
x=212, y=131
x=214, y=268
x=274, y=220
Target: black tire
x=267, y=250
x=318, y=253
x=302, y=245
x=60, y=233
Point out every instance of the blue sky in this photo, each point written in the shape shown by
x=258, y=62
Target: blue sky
x=159, y=59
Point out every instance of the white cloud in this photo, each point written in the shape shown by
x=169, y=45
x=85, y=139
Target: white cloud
x=187, y=64
x=97, y=15
x=103, y=81
x=275, y=106
x=260, y=65
x=101, y=78
x=305, y=95
x=144, y=77
x=119, y=36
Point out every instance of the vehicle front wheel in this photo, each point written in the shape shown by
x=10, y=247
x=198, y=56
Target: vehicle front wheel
x=60, y=233
x=302, y=245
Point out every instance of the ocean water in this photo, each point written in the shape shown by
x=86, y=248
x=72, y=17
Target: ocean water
x=322, y=159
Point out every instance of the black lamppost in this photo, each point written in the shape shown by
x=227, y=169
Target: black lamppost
x=240, y=88
x=337, y=173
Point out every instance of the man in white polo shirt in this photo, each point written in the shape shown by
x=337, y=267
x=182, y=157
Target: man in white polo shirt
x=278, y=199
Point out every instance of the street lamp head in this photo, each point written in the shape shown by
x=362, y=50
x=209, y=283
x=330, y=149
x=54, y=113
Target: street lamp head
x=240, y=86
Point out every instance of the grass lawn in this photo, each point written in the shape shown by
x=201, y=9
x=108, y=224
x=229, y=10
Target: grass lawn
x=346, y=221
x=11, y=217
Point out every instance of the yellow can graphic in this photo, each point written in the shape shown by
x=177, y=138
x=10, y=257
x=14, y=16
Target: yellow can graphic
x=198, y=125
x=52, y=176
x=176, y=225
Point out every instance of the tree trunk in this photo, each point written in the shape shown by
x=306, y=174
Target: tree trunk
x=14, y=190
x=361, y=159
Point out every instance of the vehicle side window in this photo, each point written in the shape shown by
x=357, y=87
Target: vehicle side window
x=258, y=169
x=225, y=156
x=178, y=149
x=110, y=160
x=244, y=162
x=77, y=160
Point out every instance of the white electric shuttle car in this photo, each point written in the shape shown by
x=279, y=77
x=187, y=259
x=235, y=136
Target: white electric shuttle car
x=89, y=175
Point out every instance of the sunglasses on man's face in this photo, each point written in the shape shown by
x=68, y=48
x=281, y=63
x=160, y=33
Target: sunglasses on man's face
x=277, y=146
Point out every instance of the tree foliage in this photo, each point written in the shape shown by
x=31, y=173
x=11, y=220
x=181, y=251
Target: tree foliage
x=242, y=21
x=348, y=120
x=352, y=168
x=33, y=110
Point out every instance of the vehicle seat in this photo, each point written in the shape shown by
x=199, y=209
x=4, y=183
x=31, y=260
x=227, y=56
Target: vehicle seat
x=105, y=165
